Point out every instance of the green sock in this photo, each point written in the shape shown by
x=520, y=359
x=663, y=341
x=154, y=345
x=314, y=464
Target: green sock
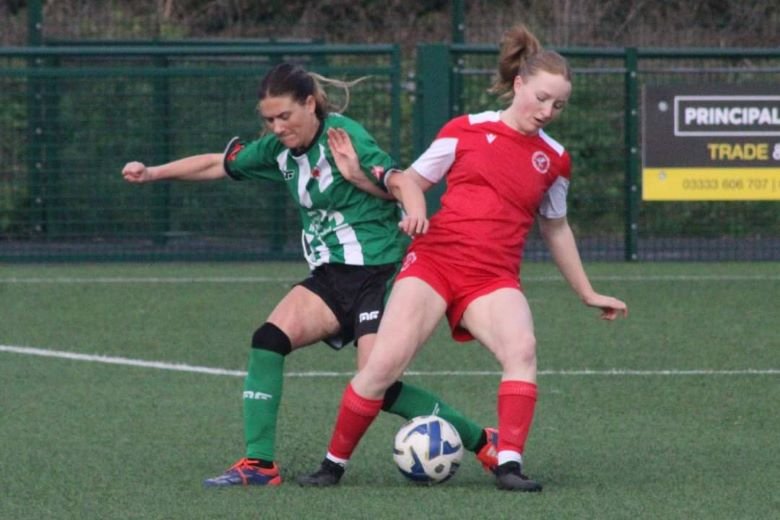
x=413, y=401
x=262, y=394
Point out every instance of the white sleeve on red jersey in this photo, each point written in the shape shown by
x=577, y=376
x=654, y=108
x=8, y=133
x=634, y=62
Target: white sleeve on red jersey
x=554, y=202
x=435, y=162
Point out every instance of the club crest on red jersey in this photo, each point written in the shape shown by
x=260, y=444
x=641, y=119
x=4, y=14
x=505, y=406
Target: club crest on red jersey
x=540, y=161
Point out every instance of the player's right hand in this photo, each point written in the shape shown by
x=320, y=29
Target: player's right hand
x=136, y=172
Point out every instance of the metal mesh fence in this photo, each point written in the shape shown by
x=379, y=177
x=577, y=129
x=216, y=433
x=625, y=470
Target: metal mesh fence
x=70, y=117
x=593, y=129
x=70, y=122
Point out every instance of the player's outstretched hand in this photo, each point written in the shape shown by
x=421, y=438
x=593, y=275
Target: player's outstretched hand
x=136, y=172
x=611, y=308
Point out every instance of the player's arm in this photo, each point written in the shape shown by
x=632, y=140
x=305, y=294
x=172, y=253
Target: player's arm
x=558, y=236
x=204, y=167
x=408, y=188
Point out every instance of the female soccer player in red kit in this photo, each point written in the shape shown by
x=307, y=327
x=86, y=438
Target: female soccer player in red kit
x=503, y=171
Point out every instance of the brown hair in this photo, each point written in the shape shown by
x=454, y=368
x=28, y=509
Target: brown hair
x=291, y=80
x=523, y=55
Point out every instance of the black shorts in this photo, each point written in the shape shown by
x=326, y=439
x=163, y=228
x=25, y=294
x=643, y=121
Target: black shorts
x=355, y=293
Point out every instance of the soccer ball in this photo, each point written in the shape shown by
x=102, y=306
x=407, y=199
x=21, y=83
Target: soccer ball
x=427, y=449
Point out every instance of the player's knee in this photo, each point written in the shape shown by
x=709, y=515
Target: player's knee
x=270, y=337
x=519, y=353
x=525, y=348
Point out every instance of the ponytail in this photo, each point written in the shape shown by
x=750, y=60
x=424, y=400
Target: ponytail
x=522, y=55
x=291, y=80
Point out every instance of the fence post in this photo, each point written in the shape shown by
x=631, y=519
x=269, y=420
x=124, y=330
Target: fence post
x=36, y=165
x=632, y=187
x=55, y=223
x=432, y=103
x=395, y=101
x=161, y=99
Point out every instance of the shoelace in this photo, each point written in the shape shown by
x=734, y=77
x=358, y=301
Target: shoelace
x=245, y=464
x=242, y=464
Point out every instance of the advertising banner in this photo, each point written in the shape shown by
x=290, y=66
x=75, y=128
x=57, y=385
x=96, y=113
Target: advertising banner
x=709, y=142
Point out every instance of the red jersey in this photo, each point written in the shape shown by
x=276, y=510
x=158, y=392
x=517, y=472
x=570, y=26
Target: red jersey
x=497, y=181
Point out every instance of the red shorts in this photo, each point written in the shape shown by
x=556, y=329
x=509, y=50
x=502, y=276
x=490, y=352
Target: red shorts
x=458, y=286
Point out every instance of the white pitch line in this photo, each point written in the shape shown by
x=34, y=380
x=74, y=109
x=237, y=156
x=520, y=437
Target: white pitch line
x=182, y=367
x=111, y=360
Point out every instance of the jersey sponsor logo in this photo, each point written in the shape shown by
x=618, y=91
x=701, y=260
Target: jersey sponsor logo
x=408, y=260
x=237, y=147
x=490, y=138
x=540, y=161
x=259, y=396
x=368, y=316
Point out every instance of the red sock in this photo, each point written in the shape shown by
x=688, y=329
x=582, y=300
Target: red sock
x=516, y=402
x=356, y=414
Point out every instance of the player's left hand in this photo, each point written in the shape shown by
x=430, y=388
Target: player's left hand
x=611, y=308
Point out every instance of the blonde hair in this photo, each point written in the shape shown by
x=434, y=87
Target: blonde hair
x=291, y=80
x=322, y=97
x=522, y=55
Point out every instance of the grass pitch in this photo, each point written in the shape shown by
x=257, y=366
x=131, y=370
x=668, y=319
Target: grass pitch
x=107, y=409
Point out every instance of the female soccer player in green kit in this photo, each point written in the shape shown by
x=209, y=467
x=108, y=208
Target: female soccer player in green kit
x=353, y=243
